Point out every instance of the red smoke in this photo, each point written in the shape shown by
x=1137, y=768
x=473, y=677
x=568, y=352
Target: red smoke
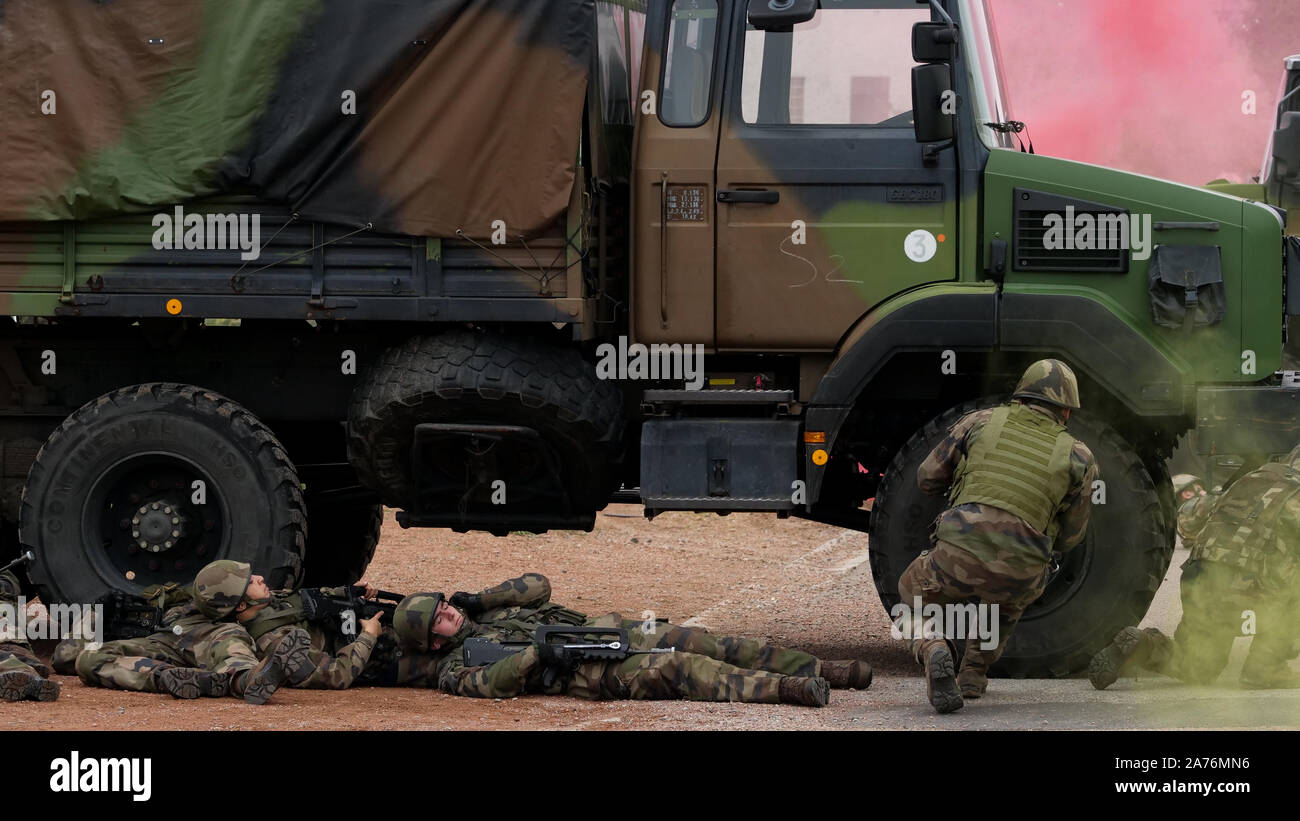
x=1153, y=86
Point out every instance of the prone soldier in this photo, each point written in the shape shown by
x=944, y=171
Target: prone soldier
x=702, y=666
x=1245, y=558
x=1018, y=487
x=333, y=659
x=195, y=654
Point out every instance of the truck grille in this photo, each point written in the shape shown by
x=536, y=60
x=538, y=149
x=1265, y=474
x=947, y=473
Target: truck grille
x=1030, y=252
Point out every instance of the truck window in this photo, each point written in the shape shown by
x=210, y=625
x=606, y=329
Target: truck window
x=846, y=66
x=620, y=31
x=687, y=84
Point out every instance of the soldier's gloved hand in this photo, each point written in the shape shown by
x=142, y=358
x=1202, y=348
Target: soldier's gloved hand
x=471, y=603
x=555, y=657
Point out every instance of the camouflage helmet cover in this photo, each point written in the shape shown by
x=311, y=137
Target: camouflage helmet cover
x=413, y=619
x=1183, y=481
x=220, y=587
x=1050, y=381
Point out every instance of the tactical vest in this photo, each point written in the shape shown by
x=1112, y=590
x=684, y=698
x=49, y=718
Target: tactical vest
x=1020, y=463
x=1242, y=525
x=285, y=609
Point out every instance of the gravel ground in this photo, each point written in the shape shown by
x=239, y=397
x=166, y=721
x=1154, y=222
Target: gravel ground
x=794, y=582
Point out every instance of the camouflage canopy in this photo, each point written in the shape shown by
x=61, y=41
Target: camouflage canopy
x=417, y=116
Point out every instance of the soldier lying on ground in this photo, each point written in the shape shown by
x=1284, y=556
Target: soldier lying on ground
x=22, y=674
x=1244, y=567
x=193, y=655
x=227, y=590
x=707, y=668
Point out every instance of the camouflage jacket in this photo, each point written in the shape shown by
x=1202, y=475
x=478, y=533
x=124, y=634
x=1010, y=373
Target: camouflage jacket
x=513, y=610
x=1193, y=514
x=995, y=536
x=1253, y=526
x=338, y=663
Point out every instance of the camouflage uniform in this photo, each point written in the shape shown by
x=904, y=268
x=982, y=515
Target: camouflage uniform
x=1193, y=514
x=199, y=653
x=191, y=640
x=983, y=550
x=1245, y=556
x=336, y=661
x=705, y=668
x=22, y=674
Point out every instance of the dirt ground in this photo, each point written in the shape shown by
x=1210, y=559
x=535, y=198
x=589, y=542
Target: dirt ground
x=794, y=582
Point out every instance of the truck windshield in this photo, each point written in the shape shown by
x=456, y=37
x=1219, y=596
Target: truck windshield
x=984, y=64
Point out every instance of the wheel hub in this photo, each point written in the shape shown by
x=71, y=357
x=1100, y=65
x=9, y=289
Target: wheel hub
x=158, y=526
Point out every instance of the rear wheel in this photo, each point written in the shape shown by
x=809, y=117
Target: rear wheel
x=1104, y=584
x=531, y=415
x=147, y=484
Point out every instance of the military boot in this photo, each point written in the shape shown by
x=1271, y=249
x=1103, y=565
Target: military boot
x=17, y=685
x=842, y=675
x=1104, y=668
x=810, y=691
x=191, y=682
x=940, y=676
x=289, y=653
x=973, y=683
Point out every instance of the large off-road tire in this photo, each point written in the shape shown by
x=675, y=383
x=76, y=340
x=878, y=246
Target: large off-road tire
x=343, y=541
x=145, y=447
x=1105, y=584
x=466, y=377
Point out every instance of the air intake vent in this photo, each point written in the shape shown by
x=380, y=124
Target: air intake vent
x=1029, y=248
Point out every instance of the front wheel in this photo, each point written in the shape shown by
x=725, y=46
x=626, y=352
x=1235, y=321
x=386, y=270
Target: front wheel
x=148, y=484
x=1105, y=584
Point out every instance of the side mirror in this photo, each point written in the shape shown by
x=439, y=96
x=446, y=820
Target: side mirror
x=1286, y=149
x=780, y=15
x=933, y=42
x=931, y=94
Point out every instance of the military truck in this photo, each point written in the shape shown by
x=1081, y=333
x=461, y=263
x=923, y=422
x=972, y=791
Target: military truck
x=1278, y=182
x=497, y=263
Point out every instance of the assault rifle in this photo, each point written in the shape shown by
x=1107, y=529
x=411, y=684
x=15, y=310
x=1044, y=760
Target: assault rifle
x=319, y=607
x=587, y=643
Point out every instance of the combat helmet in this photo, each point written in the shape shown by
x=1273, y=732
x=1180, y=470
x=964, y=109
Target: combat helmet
x=1050, y=381
x=1183, y=481
x=220, y=587
x=413, y=619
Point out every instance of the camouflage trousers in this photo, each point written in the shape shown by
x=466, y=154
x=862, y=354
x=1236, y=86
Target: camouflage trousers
x=18, y=657
x=1217, y=602
x=130, y=664
x=706, y=667
x=946, y=574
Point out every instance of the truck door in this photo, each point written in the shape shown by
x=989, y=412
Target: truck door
x=824, y=206
x=676, y=149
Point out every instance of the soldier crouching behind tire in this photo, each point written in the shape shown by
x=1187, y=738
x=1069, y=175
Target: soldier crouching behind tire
x=1243, y=569
x=707, y=668
x=1018, y=488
